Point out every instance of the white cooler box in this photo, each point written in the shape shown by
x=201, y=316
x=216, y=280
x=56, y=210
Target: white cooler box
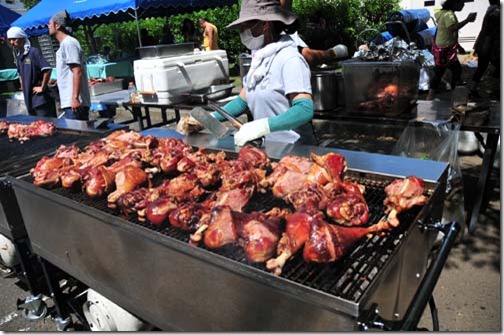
x=164, y=80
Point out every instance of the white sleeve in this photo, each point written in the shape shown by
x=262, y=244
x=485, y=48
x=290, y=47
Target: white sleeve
x=296, y=76
x=72, y=53
x=297, y=39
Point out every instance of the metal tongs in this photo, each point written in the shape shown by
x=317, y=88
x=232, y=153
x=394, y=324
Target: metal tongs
x=258, y=142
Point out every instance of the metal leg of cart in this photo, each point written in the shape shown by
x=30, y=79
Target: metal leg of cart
x=63, y=318
x=32, y=307
x=486, y=169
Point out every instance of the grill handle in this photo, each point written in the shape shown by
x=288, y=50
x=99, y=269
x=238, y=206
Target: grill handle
x=423, y=295
x=424, y=292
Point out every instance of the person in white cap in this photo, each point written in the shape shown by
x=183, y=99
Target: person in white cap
x=34, y=74
x=70, y=69
x=277, y=87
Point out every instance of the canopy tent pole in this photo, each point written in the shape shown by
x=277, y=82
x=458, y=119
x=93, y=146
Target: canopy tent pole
x=138, y=28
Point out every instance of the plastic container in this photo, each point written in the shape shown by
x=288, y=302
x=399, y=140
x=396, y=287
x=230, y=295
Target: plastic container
x=132, y=92
x=171, y=78
x=384, y=89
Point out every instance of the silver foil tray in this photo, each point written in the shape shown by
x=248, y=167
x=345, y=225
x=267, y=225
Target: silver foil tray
x=214, y=92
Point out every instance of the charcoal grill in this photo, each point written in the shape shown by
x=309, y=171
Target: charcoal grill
x=17, y=159
x=154, y=273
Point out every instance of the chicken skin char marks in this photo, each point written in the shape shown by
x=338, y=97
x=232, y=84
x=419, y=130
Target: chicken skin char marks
x=23, y=132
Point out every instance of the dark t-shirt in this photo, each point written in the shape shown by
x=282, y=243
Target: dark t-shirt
x=30, y=68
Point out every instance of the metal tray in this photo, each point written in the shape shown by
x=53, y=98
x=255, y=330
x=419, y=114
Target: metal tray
x=106, y=87
x=214, y=92
x=165, y=50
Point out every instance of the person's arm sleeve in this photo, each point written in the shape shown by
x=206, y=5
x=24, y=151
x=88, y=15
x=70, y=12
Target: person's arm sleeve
x=43, y=64
x=72, y=54
x=235, y=107
x=296, y=78
x=298, y=114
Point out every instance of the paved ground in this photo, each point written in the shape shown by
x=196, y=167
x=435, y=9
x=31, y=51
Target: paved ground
x=468, y=294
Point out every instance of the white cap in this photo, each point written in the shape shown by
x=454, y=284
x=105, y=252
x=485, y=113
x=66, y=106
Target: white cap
x=16, y=32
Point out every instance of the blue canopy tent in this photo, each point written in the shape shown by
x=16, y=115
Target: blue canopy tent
x=35, y=20
x=6, y=17
x=105, y=11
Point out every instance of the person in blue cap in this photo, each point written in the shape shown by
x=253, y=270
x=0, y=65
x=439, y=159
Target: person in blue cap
x=70, y=69
x=34, y=74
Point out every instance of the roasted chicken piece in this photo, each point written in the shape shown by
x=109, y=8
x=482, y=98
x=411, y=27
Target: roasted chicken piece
x=166, y=155
x=298, y=166
x=310, y=199
x=101, y=179
x=347, y=205
x=335, y=164
x=137, y=200
x=403, y=194
x=257, y=233
x=126, y=180
x=254, y=157
x=48, y=170
x=328, y=242
x=157, y=212
x=321, y=242
x=293, y=239
x=348, y=209
x=4, y=126
x=23, y=132
x=236, y=198
x=185, y=187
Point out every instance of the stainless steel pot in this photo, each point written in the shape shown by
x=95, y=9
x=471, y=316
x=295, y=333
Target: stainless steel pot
x=328, y=89
x=245, y=60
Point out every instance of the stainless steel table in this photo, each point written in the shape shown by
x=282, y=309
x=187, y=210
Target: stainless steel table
x=141, y=112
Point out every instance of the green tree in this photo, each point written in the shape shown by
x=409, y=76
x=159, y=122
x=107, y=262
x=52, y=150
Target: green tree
x=30, y=3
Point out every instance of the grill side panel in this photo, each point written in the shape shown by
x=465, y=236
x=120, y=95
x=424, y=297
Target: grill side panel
x=165, y=286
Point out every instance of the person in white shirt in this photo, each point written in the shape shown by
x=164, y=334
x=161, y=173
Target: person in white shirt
x=70, y=69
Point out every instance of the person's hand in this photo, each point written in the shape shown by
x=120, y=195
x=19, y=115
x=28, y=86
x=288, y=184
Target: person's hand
x=340, y=51
x=188, y=125
x=76, y=104
x=37, y=89
x=471, y=17
x=251, y=130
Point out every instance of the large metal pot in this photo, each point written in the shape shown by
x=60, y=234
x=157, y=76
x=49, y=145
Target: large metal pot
x=328, y=89
x=245, y=60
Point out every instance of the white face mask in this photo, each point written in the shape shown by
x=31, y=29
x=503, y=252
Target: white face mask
x=251, y=42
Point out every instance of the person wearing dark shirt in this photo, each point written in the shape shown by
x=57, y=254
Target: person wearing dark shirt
x=147, y=39
x=167, y=36
x=34, y=74
x=190, y=33
x=487, y=46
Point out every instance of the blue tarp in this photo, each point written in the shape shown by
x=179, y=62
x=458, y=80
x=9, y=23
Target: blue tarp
x=36, y=19
x=6, y=17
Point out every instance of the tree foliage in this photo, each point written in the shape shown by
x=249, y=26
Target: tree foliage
x=30, y=3
x=346, y=19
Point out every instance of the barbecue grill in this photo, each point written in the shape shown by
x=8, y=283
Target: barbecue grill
x=17, y=160
x=154, y=273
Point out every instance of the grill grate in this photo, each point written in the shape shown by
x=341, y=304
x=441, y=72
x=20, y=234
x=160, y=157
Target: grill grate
x=18, y=158
x=347, y=278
